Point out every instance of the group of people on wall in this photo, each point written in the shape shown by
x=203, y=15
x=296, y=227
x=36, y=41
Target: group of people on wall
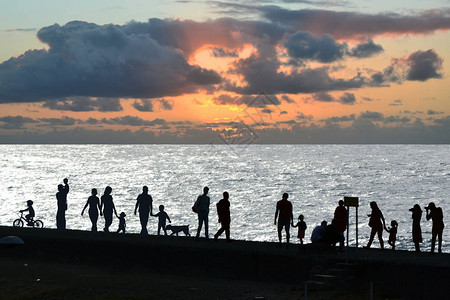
x=328, y=234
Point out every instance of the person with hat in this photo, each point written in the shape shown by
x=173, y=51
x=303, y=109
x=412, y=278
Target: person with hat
x=416, y=230
x=435, y=214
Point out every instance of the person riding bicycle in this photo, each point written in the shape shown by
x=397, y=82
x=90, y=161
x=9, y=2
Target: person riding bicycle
x=30, y=209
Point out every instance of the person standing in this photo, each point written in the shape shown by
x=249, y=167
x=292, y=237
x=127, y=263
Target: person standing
x=107, y=206
x=285, y=217
x=416, y=230
x=435, y=214
x=94, y=208
x=376, y=217
x=202, y=208
x=223, y=211
x=61, y=197
x=144, y=204
x=341, y=217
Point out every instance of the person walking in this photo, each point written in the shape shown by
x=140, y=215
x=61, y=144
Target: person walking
x=223, y=211
x=94, y=207
x=107, y=206
x=377, y=223
x=144, y=204
x=285, y=217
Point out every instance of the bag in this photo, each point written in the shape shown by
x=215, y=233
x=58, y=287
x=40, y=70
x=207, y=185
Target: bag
x=194, y=209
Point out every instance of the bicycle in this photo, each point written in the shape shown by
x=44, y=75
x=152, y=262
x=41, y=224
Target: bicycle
x=21, y=221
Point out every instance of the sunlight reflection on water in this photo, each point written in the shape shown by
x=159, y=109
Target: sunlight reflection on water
x=315, y=176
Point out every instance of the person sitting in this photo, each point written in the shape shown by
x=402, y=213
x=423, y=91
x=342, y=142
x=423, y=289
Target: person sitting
x=331, y=234
x=317, y=233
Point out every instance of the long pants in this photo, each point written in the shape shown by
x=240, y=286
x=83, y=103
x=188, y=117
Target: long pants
x=143, y=217
x=202, y=218
x=225, y=227
x=61, y=219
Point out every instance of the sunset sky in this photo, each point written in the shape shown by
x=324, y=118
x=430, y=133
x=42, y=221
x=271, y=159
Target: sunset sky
x=234, y=72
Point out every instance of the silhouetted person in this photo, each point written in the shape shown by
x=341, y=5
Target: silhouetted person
x=301, y=228
x=285, y=217
x=223, y=211
x=416, y=230
x=317, y=233
x=202, y=207
x=331, y=234
x=375, y=222
x=392, y=233
x=94, y=208
x=341, y=216
x=435, y=214
x=144, y=204
x=107, y=206
x=29, y=217
x=162, y=217
x=61, y=197
x=122, y=224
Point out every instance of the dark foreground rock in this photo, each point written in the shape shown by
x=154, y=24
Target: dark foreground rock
x=114, y=265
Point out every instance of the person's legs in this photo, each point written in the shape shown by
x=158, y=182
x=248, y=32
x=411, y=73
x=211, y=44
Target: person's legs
x=206, y=226
x=433, y=239
x=380, y=238
x=200, y=224
x=439, y=235
x=372, y=235
x=143, y=217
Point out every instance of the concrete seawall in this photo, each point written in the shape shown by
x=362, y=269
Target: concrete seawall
x=411, y=275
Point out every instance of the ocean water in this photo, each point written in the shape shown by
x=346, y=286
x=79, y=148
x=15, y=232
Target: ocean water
x=315, y=176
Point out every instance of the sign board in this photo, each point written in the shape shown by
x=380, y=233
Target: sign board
x=351, y=201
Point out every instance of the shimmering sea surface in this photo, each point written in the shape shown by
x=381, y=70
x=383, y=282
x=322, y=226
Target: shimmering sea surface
x=315, y=176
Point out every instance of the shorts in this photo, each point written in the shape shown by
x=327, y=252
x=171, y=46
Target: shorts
x=284, y=223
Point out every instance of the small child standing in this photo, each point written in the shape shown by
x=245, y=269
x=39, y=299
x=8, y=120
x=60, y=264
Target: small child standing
x=122, y=223
x=301, y=228
x=392, y=233
x=162, y=216
x=30, y=215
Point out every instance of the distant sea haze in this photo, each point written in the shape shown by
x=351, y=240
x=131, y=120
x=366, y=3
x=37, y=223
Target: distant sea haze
x=316, y=177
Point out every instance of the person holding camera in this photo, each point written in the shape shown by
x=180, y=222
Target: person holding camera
x=435, y=214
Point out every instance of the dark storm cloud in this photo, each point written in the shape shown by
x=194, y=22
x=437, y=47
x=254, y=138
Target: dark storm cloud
x=341, y=24
x=266, y=111
x=15, y=122
x=424, y=65
x=324, y=49
x=145, y=105
x=287, y=99
x=433, y=112
x=79, y=104
x=302, y=117
x=165, y=104
x=260, y=101
x=339, y=119
x=64, y=121
x=261, y=74
x=133, y=121
x=396, y=119
x=86, y=59
x=346, y=98
x=283, y=112
x=366, y=49
x=372, y=115
x=220, y=52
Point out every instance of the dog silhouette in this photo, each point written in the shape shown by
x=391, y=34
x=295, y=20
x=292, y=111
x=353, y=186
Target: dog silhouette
x=176, y=229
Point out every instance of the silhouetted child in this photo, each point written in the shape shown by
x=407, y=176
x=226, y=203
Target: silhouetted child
x=162, y=216
x=301, y=228
x=392, y=233
x=30, y=210
x=122, y=223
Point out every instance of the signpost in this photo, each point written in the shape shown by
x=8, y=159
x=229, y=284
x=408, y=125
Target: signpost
x=352, y=202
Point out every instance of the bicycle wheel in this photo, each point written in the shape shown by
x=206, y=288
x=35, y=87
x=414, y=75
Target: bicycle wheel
x=18, y=223
x=38, y=224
